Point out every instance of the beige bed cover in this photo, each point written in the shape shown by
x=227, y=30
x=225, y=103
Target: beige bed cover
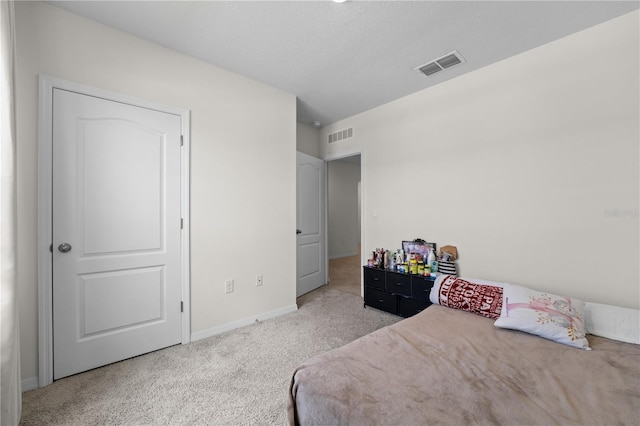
x=445, y=366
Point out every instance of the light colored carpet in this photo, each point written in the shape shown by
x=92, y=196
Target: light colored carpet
x=344, y=274
x=237, y=378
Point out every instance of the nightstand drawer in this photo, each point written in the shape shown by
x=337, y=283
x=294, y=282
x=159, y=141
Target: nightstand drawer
x=381, y=300
x=399, y=283
x=421, y=287
x=408, y=307
x=374, y=278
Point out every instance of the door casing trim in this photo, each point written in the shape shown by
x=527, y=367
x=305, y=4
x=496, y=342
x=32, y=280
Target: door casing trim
x=45, y=199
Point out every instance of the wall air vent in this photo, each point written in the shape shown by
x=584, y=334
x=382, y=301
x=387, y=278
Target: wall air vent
x=341, y=135
x=441, y=63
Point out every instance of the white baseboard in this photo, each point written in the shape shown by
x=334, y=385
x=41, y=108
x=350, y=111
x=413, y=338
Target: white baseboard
x=29, y=384
x=214, y=331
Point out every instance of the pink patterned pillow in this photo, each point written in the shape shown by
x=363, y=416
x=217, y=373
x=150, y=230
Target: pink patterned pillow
x=556, y=318
x=481, y=299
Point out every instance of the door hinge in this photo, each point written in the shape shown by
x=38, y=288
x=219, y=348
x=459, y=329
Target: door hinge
x=181, y=306
x=181, y=140
x=50, y=248
x=181, y=223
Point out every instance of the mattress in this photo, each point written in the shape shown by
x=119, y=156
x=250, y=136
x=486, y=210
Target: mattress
x=445, y=366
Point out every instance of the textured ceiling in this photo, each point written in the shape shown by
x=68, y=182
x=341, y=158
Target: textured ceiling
x=342, y=59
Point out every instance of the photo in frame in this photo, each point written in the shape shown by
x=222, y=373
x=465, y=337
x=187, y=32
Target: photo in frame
x=418, y=246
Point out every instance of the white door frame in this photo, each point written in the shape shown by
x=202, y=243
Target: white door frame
x=363, y=258
x=45, y=227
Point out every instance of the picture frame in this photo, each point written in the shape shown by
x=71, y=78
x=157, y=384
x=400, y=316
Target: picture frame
x=418, y=246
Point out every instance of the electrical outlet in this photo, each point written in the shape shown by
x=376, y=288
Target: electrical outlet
x=228, y=286
x=258, y=280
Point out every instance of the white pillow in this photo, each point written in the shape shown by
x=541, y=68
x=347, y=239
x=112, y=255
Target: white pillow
x=547, y=315
x=613, y=322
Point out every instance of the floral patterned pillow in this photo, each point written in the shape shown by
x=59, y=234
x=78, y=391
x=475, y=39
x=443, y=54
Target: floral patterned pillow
x=547, y=315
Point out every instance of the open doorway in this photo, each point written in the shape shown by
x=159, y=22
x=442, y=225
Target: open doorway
x=344, y=220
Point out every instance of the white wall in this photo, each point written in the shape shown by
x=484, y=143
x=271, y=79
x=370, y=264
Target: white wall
x=529, y=166
x=243, y=144
x=342, y=209
x=308, y=140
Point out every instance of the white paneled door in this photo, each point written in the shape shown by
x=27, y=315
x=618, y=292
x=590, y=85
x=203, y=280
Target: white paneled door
x=310, y=217
x=116, y=231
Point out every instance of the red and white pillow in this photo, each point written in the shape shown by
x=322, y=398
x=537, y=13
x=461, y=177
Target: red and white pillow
x=477, y=296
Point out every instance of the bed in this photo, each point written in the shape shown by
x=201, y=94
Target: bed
x=453, y=366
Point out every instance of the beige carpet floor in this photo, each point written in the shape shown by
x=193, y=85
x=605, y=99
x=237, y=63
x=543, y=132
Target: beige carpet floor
x=237, y=378
x=344, y=274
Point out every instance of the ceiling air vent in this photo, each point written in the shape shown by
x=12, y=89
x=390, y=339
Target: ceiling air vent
x=442, y=63
x=341, y=135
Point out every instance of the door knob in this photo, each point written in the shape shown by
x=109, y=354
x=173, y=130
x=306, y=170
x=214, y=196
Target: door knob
x=64, y=248
x=298, y=231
